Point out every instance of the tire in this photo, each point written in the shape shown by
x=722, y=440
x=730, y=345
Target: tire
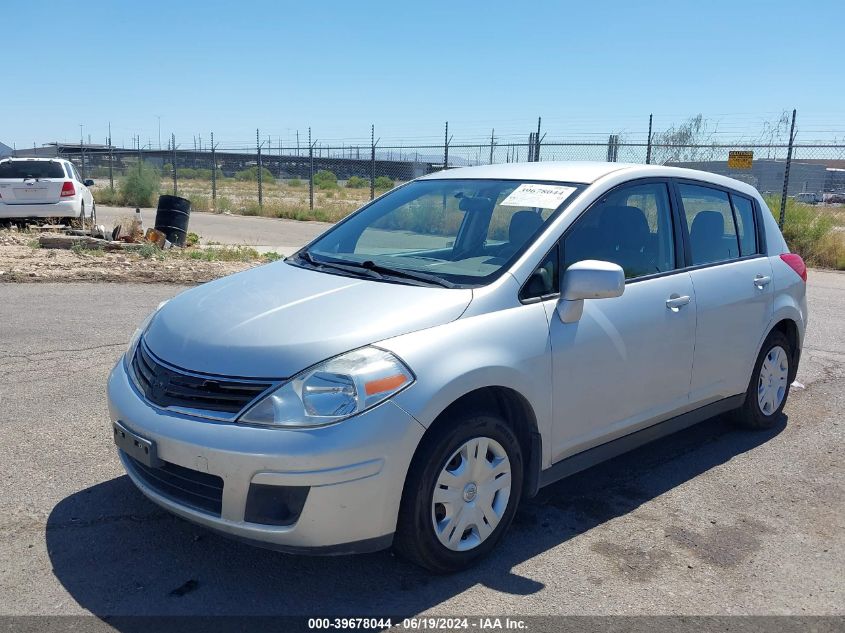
x=78, y=222
x=768, y=388
x=425, y=527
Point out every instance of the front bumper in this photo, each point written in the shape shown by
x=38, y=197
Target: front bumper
x=62, y=209
x=354, y=470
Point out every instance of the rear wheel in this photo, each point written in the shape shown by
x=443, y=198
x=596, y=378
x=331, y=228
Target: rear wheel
x=461, y=493
x=769, y=385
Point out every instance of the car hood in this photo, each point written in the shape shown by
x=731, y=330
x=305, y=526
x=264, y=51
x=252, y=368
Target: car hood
x=276, y=320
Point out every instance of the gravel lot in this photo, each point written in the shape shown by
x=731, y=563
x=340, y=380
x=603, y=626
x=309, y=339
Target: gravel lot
x=711, y=521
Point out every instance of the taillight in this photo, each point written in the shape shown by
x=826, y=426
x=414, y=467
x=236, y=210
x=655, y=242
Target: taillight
x=67, y=189
x=796, y=263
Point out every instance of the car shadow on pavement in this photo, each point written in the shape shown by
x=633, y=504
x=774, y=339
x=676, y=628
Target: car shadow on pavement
x=118, y=554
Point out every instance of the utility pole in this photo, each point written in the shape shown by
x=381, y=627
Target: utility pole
x=159, y=132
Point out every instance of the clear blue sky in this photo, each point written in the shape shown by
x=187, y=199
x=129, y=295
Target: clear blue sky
x=586, y=67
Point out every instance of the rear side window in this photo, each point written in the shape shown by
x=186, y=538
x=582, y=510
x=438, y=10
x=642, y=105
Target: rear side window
x=31, y=169
x=710, y=222
x=744, y=213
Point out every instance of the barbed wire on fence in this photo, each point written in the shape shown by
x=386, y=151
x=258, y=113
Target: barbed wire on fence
x=253, y=176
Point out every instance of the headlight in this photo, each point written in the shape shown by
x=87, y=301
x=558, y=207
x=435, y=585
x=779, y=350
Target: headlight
x=333, y=390
x=136, y=336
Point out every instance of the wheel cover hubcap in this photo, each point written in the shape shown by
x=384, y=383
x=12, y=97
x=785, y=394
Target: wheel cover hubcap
x=471, y=494
x=771, y=386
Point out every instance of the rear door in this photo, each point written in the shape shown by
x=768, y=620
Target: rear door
x=25, y=181
x=733, y=287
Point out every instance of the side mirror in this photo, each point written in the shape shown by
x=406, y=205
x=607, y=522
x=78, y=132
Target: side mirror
x=88, y=182
x=588, y=279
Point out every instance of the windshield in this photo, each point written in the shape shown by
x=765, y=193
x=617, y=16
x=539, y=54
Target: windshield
x=455, y=232
x=31, y=169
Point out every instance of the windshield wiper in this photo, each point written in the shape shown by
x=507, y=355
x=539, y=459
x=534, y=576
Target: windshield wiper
x=405, y=274
x=375, y=270
x=352, y=268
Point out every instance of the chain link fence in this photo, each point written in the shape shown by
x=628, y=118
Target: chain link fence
x=314, y=181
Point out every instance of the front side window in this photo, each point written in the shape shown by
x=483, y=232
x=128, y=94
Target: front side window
x=631, y=226
x=712, y=233
x=460, y=232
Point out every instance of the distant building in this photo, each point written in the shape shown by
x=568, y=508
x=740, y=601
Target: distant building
x=766, y=174
x=5, y=150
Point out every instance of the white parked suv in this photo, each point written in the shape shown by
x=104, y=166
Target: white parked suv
x=44, y=188
x=410, y=375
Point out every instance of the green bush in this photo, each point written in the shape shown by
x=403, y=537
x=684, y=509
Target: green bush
x=107, y=196
x=294, y=182
x=356, y=182
x=223, y=204
x=250, y=174
x=809, y=231
x=383, y=182
x=140, y=186
x=196, y=174
x=325, y=179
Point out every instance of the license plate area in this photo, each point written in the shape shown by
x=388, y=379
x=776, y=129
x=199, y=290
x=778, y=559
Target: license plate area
x=135, y=446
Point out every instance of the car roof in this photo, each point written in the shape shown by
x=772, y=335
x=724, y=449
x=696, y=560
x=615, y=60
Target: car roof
x=586, y=172
x=36, y=158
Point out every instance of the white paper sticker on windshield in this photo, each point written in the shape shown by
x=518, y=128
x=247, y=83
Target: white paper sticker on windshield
x=539, y=196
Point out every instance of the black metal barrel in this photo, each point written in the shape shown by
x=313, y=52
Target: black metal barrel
x=172, y=217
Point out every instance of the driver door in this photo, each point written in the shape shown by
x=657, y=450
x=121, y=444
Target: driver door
x=627, y=362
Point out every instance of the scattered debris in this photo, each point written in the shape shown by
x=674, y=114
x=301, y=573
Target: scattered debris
x=154, y=236
x=81, y=241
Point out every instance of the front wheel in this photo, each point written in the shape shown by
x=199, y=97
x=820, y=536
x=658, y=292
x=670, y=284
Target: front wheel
x=461, y=493
x=769, y=385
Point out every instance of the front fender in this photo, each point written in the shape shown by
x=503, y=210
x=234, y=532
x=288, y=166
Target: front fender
x=507, y=348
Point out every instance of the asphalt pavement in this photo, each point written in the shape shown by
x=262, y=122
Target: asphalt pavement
x=709, y=521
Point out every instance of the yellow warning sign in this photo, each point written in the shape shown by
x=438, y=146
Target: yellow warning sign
x=740, y=160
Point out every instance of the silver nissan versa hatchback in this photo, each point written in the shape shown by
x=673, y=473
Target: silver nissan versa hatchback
x=407, y=377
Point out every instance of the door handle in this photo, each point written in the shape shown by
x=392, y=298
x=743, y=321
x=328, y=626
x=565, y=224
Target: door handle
x=675, y=302
x=761, y=281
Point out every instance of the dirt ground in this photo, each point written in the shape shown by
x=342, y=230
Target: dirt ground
x=20, y=261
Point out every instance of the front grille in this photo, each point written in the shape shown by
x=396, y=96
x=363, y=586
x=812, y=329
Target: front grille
x=200, y=491
x=168, y=387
